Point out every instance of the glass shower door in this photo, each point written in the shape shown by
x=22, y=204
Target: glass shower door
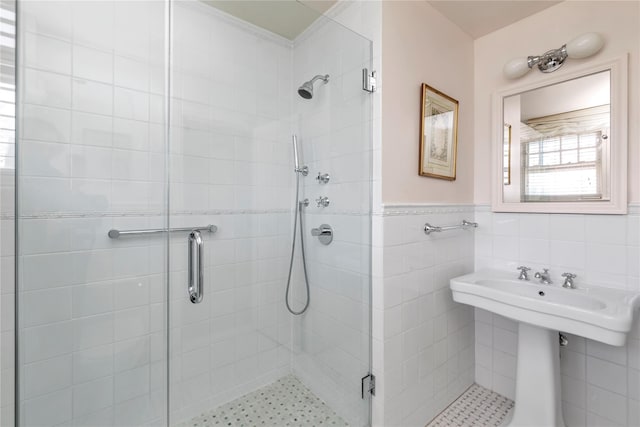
x=91, y=158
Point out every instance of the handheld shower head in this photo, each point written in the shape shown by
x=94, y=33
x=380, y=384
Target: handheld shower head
x=297, y=167
x=306, y=90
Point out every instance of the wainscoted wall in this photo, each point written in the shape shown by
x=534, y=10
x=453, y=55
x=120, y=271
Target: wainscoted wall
x=423, y=341
x=600, y=383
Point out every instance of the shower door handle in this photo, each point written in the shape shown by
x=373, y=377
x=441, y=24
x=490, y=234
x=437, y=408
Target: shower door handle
x=195, y=266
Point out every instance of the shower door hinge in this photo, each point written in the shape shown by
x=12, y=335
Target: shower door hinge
x=368, y=80
x=370, y=388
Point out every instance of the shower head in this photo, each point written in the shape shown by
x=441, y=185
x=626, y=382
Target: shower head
x=306, y=90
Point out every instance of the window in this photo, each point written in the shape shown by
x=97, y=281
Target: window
x=7, y=85
x=564, y=167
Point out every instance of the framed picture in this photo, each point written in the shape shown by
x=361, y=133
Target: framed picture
x=438, y=134
x=506, y=155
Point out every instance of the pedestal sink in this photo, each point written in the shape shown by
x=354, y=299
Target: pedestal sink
x=597, y=313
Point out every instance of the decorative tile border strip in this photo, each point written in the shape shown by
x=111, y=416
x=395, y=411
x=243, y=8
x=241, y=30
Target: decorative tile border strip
x=156, y=214
x=422, y=209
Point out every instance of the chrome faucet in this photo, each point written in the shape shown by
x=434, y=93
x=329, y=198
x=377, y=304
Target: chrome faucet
x=568, y=280
x=523, y=272
x=544, y=277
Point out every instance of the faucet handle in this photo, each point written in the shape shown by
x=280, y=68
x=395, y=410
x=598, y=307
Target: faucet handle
x=568, y=280
x=523, y=272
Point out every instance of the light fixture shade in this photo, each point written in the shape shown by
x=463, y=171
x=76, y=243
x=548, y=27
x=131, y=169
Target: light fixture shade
x=516, y=68
x=585, y=45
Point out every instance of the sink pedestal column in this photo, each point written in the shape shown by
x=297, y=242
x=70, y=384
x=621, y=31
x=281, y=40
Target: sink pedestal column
x=538, y=401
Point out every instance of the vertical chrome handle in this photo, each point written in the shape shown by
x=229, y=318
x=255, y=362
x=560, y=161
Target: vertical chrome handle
x=196, y=279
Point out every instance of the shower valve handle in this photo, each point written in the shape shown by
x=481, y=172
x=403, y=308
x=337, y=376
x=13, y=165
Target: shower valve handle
x=323, y=178
x=324, y=233
x=322, y=202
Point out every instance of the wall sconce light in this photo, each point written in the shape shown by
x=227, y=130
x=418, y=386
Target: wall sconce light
x=581, y=47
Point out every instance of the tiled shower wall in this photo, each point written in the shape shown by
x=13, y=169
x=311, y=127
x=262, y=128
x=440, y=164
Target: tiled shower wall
x=231, y=165
x=331, y=341
x=423, y=341
x=600, y=383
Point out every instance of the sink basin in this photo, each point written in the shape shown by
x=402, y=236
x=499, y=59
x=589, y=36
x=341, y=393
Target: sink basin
x=593, y=312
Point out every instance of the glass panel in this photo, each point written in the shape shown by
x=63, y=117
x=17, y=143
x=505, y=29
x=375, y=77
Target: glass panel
x=332, y=342
x=588, y=154
x=569, y=142
x=235, y=108
x=92, y=310
x=550, y=144
x=7, y=213
x=588, y=140
x=552, y=158
x=570, y=156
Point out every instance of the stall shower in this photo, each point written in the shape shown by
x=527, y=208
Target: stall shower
x=170, y=268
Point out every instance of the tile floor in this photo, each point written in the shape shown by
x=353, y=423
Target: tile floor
x=286, y=402
x=476, y=407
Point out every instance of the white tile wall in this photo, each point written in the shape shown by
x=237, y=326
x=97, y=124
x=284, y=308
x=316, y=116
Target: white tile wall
x=423, y=341
x=600, y=382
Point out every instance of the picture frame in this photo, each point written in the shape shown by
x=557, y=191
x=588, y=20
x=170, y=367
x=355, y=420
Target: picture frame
x=438, y=134
x=506, y=154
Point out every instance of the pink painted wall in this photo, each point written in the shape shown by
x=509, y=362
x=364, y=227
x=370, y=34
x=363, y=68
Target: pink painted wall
x=421, y=46
x=618, y=22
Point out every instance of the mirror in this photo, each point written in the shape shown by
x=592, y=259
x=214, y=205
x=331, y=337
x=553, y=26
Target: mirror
x=562, y=145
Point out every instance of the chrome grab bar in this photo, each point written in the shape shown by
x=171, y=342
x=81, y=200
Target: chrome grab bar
x=428, y=228
x=196, y=281
x=114, y=234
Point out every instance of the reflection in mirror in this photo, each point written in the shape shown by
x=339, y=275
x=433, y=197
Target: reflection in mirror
x=506, y=150
x=557, y=148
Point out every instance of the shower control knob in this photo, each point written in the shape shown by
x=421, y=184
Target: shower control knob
x=323, y=178
x=322, y=202
x=324, y=233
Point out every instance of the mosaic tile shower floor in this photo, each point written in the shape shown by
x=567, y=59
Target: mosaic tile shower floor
x=286, y=402
x=477, y=407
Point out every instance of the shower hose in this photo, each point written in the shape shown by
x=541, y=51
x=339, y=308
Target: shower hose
x=298, y=215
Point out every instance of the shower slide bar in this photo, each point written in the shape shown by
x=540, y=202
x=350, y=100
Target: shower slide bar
x=114, y=234
x=428, y=228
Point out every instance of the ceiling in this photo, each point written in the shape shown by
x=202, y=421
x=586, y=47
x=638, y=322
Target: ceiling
x=571, y=95
x=478, y=18
x=289, y=18
x=285, y=18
